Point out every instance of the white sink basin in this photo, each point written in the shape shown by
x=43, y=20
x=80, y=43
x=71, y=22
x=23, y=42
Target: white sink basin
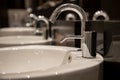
x=21, y=40
x=17, y=31
x=38, y=62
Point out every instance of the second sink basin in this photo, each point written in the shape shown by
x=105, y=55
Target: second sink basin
x=21, y=40
x=17, y=31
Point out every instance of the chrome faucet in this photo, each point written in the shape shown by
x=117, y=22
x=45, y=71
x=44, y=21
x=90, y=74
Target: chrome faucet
x=34, y=20
x=45, y=31
x=101, y=13
x=70, y=7
x=82, y=15
x=31, y=20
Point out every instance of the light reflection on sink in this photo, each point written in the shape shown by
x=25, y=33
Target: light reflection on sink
x=38, y=62
x=22, y=40
x=17, y=31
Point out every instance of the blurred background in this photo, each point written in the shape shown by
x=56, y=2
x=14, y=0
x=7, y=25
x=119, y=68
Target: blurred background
x=13, y=13
x=8, y=7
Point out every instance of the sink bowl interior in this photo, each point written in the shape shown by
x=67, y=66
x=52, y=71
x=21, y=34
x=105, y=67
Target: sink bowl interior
x=30, y=58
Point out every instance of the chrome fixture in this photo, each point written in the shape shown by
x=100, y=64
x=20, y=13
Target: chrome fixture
x=44, y=30
x=82, y=15
x=31, y=20
x=70, y=7
x=101, y=13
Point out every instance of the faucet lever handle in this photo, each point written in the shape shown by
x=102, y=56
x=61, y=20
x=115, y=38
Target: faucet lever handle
x=71, y=37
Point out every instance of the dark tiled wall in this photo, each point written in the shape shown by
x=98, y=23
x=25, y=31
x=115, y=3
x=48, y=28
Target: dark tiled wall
x=3, y=13
x=112, y=7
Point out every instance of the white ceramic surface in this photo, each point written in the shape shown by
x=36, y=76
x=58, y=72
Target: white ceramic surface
x=21, y=40
x=17, y=31
x=38, y=62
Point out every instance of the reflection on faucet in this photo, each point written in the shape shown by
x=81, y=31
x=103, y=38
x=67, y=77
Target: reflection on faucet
x=70, y=17
x=104, y=16
x=82, y=15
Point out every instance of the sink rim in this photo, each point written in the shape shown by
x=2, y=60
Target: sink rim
x=71, y=67
x=9, y=31
x=18, y=29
